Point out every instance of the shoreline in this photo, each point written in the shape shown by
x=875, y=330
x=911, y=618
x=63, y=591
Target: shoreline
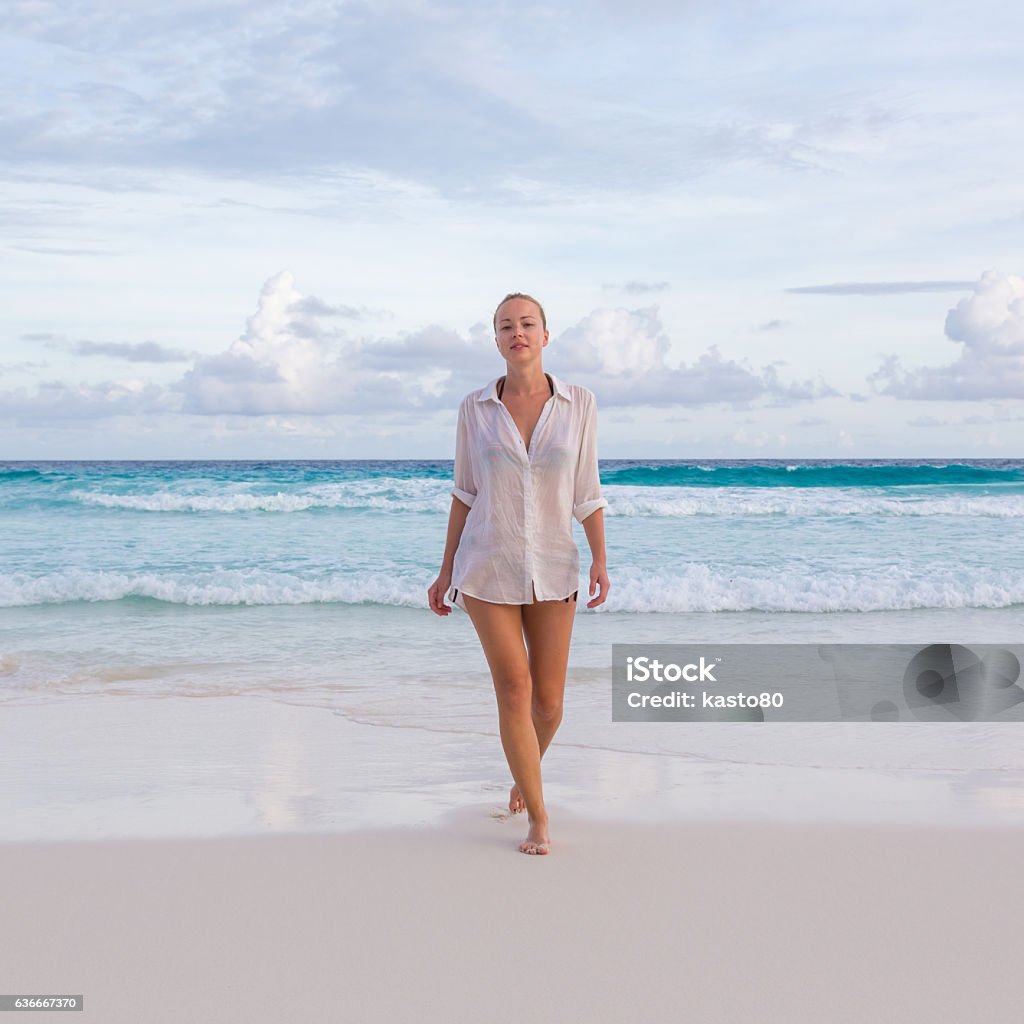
x=716, y=922
x=119, y=766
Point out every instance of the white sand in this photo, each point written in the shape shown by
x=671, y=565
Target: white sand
x=621, y=924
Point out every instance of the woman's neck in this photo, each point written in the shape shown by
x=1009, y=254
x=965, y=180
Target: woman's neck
x=523, y=381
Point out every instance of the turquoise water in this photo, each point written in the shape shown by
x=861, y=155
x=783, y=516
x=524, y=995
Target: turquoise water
x=682, y=537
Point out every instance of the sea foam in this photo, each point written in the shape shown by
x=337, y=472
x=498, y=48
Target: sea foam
x=662, y=502
x=693, y=588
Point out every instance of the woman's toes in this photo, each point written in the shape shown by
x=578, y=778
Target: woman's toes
x=531, y=847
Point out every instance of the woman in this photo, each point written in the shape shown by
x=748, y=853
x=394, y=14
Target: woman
x=525, y=465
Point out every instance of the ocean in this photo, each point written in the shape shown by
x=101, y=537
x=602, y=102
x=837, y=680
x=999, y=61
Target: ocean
x=301, y=585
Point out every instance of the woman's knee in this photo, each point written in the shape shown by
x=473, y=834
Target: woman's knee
x=514, y=692
x=546, y=706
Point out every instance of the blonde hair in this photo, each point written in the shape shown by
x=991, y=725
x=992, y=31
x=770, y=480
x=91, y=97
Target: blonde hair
x=519, y=295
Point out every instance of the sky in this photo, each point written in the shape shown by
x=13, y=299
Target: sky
x=250, y=230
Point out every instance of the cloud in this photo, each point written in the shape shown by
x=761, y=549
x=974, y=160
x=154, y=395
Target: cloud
x=882, y=287
x=55, y=401
x=999, y=415
x=23, y=367
x=40, y=250
x=771, y=325
x=990, y=326
x=135, y=352
x=610, y=342
x=622, y=354
x=289, y=363
x=639, y=287
x=279, y=365
x=312, y=306
x=405, y=90
x=286, y=363
x=438, y=365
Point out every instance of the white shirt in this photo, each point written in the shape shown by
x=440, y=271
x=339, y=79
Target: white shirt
x=518, y=534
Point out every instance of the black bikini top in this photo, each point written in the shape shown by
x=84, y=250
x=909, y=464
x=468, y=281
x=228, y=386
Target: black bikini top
x=501, y=385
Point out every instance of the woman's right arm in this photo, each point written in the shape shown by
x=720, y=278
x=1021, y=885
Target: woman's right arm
x=463, y=496
x=456, y=523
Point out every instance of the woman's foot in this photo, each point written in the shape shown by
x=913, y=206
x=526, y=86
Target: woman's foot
x=537, y=840
x=516, y=803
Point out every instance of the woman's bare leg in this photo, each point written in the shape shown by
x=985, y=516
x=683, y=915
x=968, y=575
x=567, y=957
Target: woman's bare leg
x=548, y=629
x=500, y=628
x=529, y=684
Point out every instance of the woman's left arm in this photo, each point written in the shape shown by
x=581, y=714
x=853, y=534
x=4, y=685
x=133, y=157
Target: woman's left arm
x=589, y=505
x=593, y=526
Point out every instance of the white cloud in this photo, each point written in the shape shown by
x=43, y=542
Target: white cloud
x=286, y=363
x=990, y=326
x=55, y=401
x=622, y=354
x=615, y=341
x=280, y=364
x=133, y=352
x=881, y=287
x=638, y=287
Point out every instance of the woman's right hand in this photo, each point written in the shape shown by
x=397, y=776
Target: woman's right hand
x=437, y=591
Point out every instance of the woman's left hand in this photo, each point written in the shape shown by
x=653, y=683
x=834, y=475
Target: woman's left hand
x=599, y=584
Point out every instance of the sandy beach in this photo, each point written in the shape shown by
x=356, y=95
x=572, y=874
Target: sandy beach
x=700, y=923
x=246, y=859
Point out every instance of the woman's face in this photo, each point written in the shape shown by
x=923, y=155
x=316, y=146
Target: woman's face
x=520, y=332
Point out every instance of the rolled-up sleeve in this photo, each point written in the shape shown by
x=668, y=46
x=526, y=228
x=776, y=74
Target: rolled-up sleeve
x=587, y=492
x=465, y=486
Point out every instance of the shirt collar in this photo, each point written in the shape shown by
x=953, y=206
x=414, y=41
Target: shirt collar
x=490, y=393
